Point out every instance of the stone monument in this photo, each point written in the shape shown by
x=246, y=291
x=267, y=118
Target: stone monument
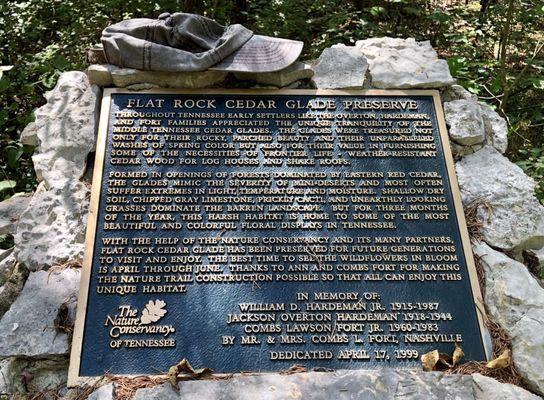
x=222, y=167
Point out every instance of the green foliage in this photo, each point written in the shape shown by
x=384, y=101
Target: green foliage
x=6, y=242
x=533, y=165
x=516, y=86
x=7, y=185
x=490, y=53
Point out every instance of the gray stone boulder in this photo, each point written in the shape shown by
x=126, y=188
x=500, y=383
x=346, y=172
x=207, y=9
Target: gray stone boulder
x=10, y=212
x=100, y=74
x=470, y=118
x=102, y=393
x=496, y=129
x=515, y=300
x=466, y=126
x=404, y=63
x=517, y=218
x=162, y=392
x=27, y=329
x=45, y=376
x=4, y=253
x=340, y=67
x=4, y=380
x=486, y=388
x=29, y=135
x=386, y=384
x=52, y=229
x=465, y=123
x=67, y=127
x=108, y=75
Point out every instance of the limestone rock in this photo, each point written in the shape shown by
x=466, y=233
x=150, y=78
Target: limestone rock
x=10, y=211
x=162, y=392
x=52, y=229
x=514, y=292
x=380, y=384
x=515, y=300
x=496, y=129
x=517, y=220
x=100, y=74
x=67, y=127
x=457, y=92
x=29, y=135
x=27, y=328
x=4, y=381
x=486, y=388
x=103, y=393
x=340, y=67
x=357, y=384
x=13, y=284
x=282, y=78
x=468, y=116
x=465, y=122
x=4, y=253
x=123, y=77
x=47, y=375
x=142, y=86
x=404, y=63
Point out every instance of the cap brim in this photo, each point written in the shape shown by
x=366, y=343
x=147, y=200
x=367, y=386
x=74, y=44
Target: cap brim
x=261, y=54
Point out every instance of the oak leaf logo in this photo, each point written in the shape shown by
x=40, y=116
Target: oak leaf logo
x=153, y=311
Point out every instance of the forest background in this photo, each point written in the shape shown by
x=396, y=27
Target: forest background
x=495, y=49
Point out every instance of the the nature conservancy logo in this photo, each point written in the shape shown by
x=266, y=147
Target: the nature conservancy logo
x=131, y=329
x=153, y=312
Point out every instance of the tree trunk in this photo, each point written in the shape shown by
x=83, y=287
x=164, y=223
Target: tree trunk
x=505, y=39
x=239, y=12
x=484, y=7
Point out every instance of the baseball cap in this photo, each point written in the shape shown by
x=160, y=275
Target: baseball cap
x=191, y=42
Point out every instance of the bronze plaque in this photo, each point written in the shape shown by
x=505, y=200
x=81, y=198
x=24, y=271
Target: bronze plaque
x=254, y=230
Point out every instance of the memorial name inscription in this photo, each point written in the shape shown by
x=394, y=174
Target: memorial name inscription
x=249, y=231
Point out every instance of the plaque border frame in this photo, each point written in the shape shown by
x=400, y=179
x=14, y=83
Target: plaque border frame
x=74, y=378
